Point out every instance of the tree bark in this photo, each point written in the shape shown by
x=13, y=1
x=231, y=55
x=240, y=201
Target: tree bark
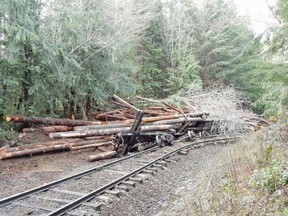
x=49, y=129
x=26, y=152
x=101, y=156
x=125, y=103
x=128, y=122
x=49, y=121
x=50, y=147
x=108, y=131
x=94, y=145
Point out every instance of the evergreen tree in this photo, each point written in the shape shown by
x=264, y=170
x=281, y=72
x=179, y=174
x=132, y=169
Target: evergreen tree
x=21, y=50
x=153, y=76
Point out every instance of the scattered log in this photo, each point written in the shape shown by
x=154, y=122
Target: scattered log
x=115, y=118
x=109, y=131
x=49, y=121
x=192, y=108
x=50, y=147
x=38, y=145
x=119, y=104
x=125, y=103
x=97, y=127
x=182, y=112
x=94, y=145
x=30, y=152
x=84, y=150
x=178, y=120
x=102, y=149
x=49, y=129
x=147, y=120
x=71, y=142
x=147, y=99
x=101, y=156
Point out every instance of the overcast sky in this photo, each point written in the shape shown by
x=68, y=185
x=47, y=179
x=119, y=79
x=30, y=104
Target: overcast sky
x=258, y=12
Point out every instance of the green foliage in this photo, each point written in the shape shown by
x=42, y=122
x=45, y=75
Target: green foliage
x=272, y=173
x=7, y=132
x=271, y=177
x=152, y=57
x=75, y=53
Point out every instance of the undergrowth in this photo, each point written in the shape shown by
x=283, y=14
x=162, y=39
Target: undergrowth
x=7, y=132
x=251, y=177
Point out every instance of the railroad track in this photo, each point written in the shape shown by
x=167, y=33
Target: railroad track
x=85, y=192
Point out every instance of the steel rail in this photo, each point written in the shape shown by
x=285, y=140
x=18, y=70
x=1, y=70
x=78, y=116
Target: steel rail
x=74, y=204
x=27, y=193
x=18, y=196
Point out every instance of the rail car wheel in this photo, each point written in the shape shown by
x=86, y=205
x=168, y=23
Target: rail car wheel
x=165, y=139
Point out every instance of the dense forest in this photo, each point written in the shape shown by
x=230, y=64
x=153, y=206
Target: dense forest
x=59, y=56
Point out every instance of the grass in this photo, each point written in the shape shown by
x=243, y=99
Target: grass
x=250, y=178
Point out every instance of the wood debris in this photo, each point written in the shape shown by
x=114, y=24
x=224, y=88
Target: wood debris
x=123, y=129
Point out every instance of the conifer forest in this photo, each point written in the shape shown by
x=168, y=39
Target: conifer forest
x=57, y=56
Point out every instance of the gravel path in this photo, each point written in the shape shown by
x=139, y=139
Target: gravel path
x=167, y=193
x=162, y=194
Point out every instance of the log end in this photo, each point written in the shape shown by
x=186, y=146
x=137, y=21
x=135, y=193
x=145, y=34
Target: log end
x=8, y=118
x=101, y=156
x=55, y=136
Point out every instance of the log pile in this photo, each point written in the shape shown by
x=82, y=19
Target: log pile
x=99, y=134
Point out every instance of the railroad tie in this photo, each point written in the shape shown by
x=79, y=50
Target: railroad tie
x=129, y=183
x=94, y=206
x=106, y=199
x=159, y=166
x=116, y=193
x=135, y=179
x=122, y=187
x=143, y=176
x=75, y=193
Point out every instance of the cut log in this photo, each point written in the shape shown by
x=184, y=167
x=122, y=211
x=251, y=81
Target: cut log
x=83, y=150
x=94, y=145
x=97, y=127
x=131, y=121
x=39, y=145
x=37, y=149
x=49, y=121
x=73, y=142
x=147, y=99
x=109, y=131
x=178, y=120
x=101, y=156
x=171, y=107
x=50, y=129
x=27, y=152
x=115, y=118
x=102, y=149
x=125, y=103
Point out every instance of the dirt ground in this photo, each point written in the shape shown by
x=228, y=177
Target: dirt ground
x=23, y=173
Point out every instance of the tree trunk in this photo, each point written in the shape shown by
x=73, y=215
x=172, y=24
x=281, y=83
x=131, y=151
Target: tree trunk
x=94, y=145
x=204, y=77
x=88, y=106
x=101, y=156
x=49, y=129
x=49, y=121
x=50, y=147
x=27, y=152
x=128, y=122
x=121, y=125
x=109, y=131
